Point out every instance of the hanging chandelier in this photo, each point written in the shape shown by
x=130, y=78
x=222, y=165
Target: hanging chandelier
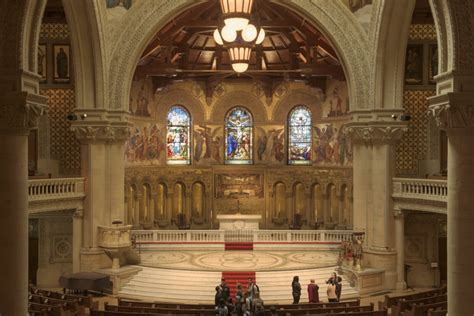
x=237, y=34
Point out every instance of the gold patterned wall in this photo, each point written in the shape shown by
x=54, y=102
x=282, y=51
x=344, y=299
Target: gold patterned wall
x=64, y=146
x=422, y=32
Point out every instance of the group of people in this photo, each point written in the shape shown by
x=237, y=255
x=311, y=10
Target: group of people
x=248, y=302
x=245, y=303
x=334, y=289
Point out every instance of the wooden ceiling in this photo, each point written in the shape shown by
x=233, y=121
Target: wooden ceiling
x=293, y=48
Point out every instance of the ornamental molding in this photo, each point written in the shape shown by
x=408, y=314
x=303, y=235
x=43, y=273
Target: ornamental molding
x=375, y=134
x=105, y=133
x=21, y=110
x=453, y=110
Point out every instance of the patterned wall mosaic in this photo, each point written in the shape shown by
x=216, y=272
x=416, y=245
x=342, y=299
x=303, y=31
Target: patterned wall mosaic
x=54, y=31
x=414, y=144
x=422, y=32
x=64, y=146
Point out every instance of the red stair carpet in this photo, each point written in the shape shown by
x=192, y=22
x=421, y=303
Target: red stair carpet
x=232, y=278
x=229, y=245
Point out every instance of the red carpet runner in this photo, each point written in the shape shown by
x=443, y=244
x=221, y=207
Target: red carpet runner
x=232, y=278
x=229, y=245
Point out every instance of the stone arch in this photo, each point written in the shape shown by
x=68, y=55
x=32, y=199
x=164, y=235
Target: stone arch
x=238, y=98
x=297, y=97
x=390, y=36
x=182, y=98
x=332, y=18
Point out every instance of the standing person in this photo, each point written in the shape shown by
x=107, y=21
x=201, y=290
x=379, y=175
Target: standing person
x=296, y=289
x=331, y=291
x=218, y=296
x=225, y=290
x=313, y=292
x=221, y=308
x=239, y=300
x=252, y=290
x=257, y=303
x=338, y=288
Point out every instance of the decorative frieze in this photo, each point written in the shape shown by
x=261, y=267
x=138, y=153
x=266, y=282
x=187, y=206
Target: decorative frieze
x=384, y=134
x=101, y=133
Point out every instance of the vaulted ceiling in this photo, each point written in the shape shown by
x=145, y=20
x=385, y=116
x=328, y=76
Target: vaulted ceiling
x=293, y=48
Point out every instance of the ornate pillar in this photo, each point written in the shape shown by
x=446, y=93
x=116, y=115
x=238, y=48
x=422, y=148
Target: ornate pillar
x=289, y=207
x=151, y=208
x=77, y=240
x=102, y=164
x=454, y=112
x=374, y=168
x=19, y=112
x=400, y=247
x=188, y=205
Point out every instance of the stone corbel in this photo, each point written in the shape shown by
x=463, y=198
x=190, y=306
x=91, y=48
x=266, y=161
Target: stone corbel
x=376, y=133
x=453, y=110
x=21, y=110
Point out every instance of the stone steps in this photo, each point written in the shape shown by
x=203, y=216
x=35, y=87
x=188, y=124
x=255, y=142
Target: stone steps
x=181, y=286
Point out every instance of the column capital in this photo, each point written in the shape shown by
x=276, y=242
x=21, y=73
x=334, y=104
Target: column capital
x=375, y=132
x=453, y=110
x=21, y=110
x=398, y=213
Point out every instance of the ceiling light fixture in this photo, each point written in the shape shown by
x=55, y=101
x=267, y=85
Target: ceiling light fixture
x=237, y=34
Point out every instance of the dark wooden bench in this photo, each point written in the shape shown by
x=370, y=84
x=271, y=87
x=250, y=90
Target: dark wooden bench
x=422, y=310
x=390, y=301
x=85, y=301
x=438, y=312
x=403, y=304
x=160, y=310
x=50, y=310
x=320, y=310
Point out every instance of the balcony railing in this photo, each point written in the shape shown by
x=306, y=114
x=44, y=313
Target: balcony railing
x=421, y=194
x=49, y=189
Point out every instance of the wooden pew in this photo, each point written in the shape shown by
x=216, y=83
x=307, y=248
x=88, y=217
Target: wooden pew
x=403, y=305
x=50, y=310
x=321, y=310
x=123, y=302
x=422, y=310
x=160, y=310
x=86, y=301
x=437, y=312
x=111, y=313
x=390, y=301
x=318, y=305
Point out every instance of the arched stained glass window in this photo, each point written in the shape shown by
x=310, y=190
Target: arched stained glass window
x=178, y=136
x=238, y=136
x=299, y=134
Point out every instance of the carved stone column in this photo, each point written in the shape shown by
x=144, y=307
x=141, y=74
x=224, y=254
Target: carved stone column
x=102, y=152
x=400, y=247
x=19, y=111
x=374, y=164
x=454, y=112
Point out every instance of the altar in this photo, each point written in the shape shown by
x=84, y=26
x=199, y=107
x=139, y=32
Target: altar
x=238, y=221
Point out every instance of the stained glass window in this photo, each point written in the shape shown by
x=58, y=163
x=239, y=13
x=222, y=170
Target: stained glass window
x=299, y=134
x=238, y=136
x=177, y=136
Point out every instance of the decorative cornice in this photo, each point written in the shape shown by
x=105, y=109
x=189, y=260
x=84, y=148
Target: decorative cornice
x=375, y=134
x=106, y=133
x=453, y=110
x=21, y=110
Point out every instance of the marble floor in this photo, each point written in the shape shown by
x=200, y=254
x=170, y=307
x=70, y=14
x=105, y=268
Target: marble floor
x=239, y=260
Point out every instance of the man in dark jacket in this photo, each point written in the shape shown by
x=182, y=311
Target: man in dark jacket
x=338, y=288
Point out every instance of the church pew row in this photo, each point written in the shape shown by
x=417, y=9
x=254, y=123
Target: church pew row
x=67, y=305
x=438, y=312
x=82, y=300
x=322, y=310
x=43, y=309
x=281, y=311
x=389, y=301
x=124, y=302
x=403, y=305
x=113, y=313
x=422, y=310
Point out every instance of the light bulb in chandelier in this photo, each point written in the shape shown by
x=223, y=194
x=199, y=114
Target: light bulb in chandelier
x=217, y=37
x=236, y=23
x=249, y=33
x=260, y=37
x=228, y=34
x=240, y=67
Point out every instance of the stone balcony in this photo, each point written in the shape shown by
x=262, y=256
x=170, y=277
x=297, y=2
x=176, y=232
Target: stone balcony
x=427, y=195
x=58, y=194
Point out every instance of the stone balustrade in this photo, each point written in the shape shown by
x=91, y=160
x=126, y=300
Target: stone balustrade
x=44, y=189
x=45, y=195
x=420, y=194
x=200, y=236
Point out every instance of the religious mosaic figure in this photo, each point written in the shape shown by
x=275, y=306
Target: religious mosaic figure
x=299, y=134
x=62, y=64
x=177, y=138
x=238, y=137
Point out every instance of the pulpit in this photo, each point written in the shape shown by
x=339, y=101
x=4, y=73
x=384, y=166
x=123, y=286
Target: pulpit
x=238, y=221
